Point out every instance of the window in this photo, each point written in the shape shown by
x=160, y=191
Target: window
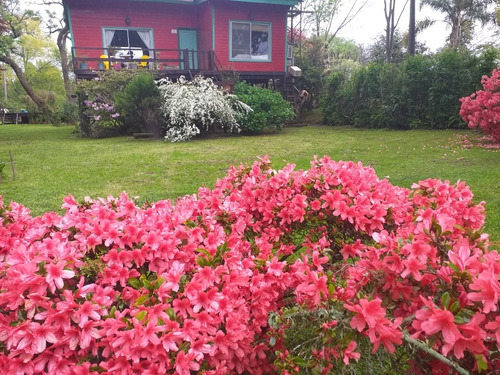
x=250, y=41
x=132, y=43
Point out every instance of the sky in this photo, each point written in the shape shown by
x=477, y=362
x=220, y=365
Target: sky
x=370, y=23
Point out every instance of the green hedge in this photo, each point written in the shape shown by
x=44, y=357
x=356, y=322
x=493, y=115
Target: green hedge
x=422, y=92
x=269, y=109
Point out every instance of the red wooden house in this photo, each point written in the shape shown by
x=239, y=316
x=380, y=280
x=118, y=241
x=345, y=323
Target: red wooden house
x=174, y=37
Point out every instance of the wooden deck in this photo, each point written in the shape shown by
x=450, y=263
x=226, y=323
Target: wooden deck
x=171, y=63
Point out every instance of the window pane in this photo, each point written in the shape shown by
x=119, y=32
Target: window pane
x=120, y=39
x=260, y=42
x=240, y=34
x=137, y=42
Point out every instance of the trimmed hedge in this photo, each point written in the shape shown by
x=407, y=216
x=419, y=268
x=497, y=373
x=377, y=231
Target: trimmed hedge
x=422, y=92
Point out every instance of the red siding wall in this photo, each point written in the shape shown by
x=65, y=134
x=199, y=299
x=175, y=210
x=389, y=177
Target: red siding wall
x=226, y=12
x=90, y=16
x=205, y=27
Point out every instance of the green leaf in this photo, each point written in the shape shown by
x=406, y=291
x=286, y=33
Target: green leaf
x=202, y=262
x=41, y=268
x=301, y=362
x=481, y=363
x=455, y=307
x=141, y=315
x=184, y=346
x=171, y=313
x=135, y=283
x=331, y=288
x=159, y=282
x=112, y=312
x=190, y=224
x=145, y=281
x=141, y=300
x=445, y=300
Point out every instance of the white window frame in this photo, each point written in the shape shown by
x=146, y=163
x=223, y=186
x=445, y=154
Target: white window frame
x=250, y=58
x=128, y=29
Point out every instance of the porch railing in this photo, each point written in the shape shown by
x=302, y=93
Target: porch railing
x=87, y=59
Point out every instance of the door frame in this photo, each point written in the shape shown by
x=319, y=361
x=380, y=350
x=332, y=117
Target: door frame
x=192, y=53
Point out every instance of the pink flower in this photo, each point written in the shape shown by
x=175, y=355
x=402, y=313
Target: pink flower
x=488, y=290
x=184, y=363
x=349, y=352
x=436, y=320
x=55, y=275
x=368, y=313
x=38, y=338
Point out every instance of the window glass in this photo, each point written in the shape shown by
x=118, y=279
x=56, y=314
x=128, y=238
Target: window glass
x=120, y=39
x=125, y=43
x=250, y=41
x=240, y=40
x=135, y=40
x=260, y=43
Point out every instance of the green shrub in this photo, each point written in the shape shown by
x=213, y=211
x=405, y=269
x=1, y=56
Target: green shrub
x=139, y=106
x=69, y=113
x=98, y=117
x=270, y=110
x=422, y=92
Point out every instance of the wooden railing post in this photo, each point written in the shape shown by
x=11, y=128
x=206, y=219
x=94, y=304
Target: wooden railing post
x=211, y=60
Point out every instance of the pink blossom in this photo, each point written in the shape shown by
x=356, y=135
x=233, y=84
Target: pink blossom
x=55, y=275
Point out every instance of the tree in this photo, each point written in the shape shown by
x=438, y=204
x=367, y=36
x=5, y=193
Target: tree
x=324, y=14
x=412, y=28
x=391, y=25
x=378, y=52
x=59, y=25
x=18, y=23
x=461, y=15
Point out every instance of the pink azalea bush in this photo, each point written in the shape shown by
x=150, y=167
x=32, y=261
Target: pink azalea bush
x=213, y=283
x=482, y=109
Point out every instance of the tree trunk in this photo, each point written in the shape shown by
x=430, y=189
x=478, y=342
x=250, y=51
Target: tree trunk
x=411, y=29
x=61, y=44
x=455, y=36
x=389, y=28
x=26, y=85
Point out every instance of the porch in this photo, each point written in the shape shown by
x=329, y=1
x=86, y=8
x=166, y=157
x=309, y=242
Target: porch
x=174, y=63
x=87, y=61
x=171, y=63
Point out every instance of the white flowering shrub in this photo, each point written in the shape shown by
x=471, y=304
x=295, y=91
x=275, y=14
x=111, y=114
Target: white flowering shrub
x=198, y=106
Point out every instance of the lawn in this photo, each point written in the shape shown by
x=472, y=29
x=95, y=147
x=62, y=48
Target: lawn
x=52, y=162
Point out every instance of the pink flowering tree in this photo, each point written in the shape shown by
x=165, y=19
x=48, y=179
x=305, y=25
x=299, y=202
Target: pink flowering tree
x=271, y=271
x=482, y=109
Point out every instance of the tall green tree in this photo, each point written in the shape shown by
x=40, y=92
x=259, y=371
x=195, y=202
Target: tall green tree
x=18, y=27
x=461, y=16
x=57, y=24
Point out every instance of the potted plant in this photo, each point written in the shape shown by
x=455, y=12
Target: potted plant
x=83, y=62
x=227, y=80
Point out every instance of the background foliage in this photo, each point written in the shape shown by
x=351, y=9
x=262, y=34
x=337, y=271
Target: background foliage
x=422, y=92
x=139, y=106
x=269, y=109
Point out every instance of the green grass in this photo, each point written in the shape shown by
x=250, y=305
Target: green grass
x=53, y=162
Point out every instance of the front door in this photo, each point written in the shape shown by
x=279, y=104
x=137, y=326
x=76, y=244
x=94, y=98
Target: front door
x=188, y=44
